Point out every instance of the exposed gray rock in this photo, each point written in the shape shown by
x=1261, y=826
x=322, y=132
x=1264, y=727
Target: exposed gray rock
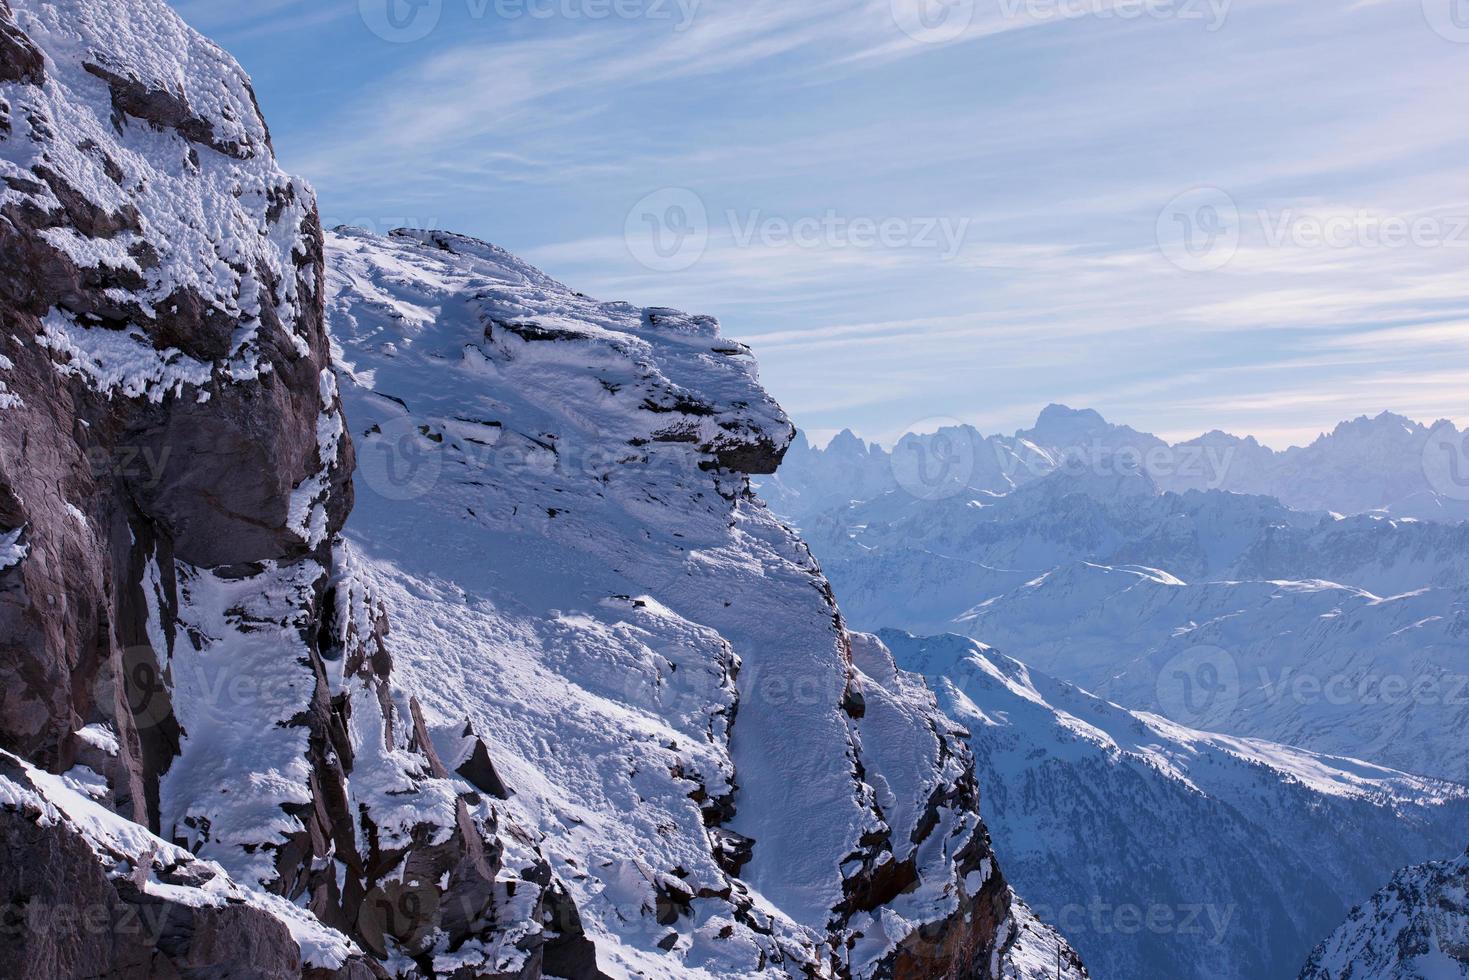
x=19, y=59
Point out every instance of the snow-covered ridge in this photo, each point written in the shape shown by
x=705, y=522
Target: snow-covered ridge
x=660, y=378
x=1415, y=928
x=554, y=505
x=1239, y=853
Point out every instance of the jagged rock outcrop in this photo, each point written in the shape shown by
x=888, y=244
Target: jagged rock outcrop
x=1416, y=928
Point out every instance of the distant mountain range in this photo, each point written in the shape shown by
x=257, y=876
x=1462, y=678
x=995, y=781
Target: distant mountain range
x=1250, y=624
x=1388, y=465
x=1345, y=635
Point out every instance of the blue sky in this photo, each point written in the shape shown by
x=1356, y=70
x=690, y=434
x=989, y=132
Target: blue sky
x=1187, y=214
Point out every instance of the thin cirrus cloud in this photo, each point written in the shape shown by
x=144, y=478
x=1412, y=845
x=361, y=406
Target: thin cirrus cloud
x=1055, y=139
x=231, y=22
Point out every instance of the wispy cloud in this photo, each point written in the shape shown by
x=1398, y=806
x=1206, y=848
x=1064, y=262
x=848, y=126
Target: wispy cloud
x=231, y=22
x=1057, y=142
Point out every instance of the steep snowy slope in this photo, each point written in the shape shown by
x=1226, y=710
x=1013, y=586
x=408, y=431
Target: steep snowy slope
x=1167, y=852
x=607, y=630
x=1416, y=928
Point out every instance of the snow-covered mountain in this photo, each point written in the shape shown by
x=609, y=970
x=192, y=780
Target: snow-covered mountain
x=990, y=543
x=1416, y=928
x=1387, y=465
x=1163, y=851
x=653, y=664
x=1225, y=611
x=565, y=701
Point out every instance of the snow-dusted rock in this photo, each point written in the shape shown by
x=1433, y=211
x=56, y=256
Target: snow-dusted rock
x=163, y=347
x=1167, y=852
x=1416, y=928
x=554, y=505
x=89, y=893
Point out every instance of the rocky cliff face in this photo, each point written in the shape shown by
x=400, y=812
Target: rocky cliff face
x=526, y=724
x=173, y=473
x=166, y=420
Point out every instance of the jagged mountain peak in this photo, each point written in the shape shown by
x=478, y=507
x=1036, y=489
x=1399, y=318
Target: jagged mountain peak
x=848, y=443
x=1221, y=437
x=1385, y=427
x=1056, y=414
x=1063, y=427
